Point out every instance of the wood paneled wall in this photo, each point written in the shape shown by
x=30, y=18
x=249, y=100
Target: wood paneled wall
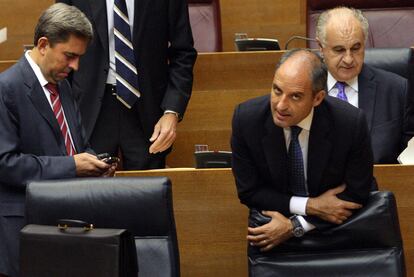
x=278, y=19
x=20, y=18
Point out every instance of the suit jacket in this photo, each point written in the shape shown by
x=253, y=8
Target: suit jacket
x=164, y=53
x=31, y=146
x=339, y=151
x=383, y=97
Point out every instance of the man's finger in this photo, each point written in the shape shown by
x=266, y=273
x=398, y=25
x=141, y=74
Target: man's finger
x=156, y=133
x=255, y=230
x=351, y=205
x=338, y=189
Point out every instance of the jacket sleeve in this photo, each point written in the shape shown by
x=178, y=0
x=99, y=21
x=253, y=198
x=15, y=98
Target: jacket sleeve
x=18, y=168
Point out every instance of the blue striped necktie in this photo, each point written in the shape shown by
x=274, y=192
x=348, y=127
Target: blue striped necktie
x=296, y=167
x=126, y=71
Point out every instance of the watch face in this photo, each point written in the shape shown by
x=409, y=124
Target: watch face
x=298, y=232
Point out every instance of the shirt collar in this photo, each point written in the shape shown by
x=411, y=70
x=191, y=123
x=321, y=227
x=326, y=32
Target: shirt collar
x=306, y=123
x=36, y=69
x=353, y=83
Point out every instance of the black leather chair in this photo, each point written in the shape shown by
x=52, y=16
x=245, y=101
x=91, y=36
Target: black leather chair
x=141, y=205
x=399, y=61
x=396, y=60
x=368, y=244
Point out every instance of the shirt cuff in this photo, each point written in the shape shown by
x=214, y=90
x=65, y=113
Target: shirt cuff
x=306, y=225
x=170, y=111
x=297, y=205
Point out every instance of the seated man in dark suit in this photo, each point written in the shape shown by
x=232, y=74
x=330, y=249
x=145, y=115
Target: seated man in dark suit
x=341, y=33
x=303, y=159
x=41, y=135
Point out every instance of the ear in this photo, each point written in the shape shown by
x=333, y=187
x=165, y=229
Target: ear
x=42, y=45
x=317, y=99
x=320, y=45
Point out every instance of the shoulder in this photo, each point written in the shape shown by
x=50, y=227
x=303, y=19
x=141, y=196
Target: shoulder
x=254, y=107
x=381, y=76
x=252, y=113
x=340, y=111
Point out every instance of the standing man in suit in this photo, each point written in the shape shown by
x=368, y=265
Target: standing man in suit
x=302, y=158
x=41, y=136
x=382, y=95
x=157, y=35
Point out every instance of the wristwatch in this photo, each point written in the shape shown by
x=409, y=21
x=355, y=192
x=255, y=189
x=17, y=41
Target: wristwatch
x=298, y=230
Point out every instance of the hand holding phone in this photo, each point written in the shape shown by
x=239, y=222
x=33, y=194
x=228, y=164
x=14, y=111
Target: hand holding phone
x=105, y=157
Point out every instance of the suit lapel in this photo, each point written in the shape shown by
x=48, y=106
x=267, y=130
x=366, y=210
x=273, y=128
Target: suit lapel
x=99, y=15
x=274, y=147
x=70, y=114
x=367, y=93
x=36, y=94
x=319, y=147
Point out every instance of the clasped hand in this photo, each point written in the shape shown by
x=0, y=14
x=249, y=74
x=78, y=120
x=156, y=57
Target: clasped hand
x=330, y=208
x=269, y=235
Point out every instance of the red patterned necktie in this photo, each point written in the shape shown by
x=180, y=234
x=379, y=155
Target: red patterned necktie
x=58, y=111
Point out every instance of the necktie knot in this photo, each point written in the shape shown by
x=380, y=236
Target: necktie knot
x=295, y=130
x=340, y=85
x=341, y=91
x=52, y=88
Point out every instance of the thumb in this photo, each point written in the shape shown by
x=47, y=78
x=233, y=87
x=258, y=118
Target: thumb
x=338, y=189
x=155, y=133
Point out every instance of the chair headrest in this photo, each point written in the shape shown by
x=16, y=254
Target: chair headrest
x=143, y=205
x=396, y=60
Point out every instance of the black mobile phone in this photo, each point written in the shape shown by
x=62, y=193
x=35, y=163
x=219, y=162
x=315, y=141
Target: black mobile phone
x=111, y=160
x=105, y=157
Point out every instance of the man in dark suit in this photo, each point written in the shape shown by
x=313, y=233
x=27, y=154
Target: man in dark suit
x=164, y=57
x=302, y=158
x=41, y=136
x=382, y=95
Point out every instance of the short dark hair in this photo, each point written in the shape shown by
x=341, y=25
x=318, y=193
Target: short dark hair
x=318, y=74
x=60, y=21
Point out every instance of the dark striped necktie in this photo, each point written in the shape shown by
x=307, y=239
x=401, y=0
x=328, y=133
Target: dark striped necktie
x=296, y=167
x=58, y=111
x=126, y=71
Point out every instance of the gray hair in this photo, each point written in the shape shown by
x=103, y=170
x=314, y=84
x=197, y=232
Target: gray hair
x=326, y=15
x=60, y=21
x=318, y=73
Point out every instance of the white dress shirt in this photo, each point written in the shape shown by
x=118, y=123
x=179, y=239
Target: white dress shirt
x=351, y=90
x=43, y=82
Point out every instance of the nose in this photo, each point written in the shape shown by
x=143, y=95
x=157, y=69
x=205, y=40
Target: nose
x=282, y=104
x=74, y=63
x=348, y=57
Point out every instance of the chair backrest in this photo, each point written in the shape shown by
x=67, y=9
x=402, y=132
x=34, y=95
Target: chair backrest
x=368, y=244
x=399, y=61
x=143, y=205
x=391, y=22
x=206, y=25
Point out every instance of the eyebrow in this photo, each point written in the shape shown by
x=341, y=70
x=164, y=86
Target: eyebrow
x=275, y=87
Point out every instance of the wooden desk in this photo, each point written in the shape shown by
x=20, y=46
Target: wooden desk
x=211, y=223
x=6, y=64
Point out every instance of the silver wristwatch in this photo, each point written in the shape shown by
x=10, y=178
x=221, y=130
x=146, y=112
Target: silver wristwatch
x=298, y=230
